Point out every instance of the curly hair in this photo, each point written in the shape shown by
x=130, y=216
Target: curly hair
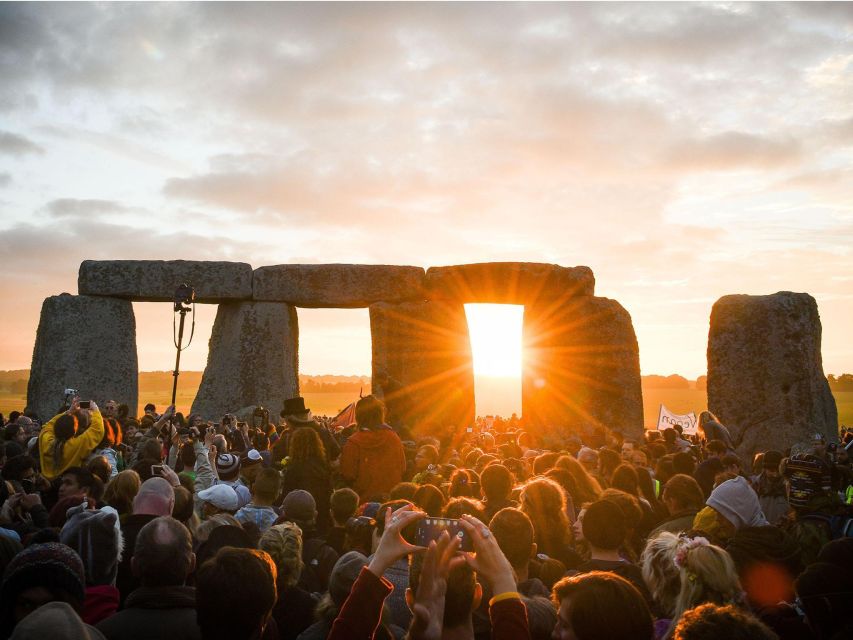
x=588, y=489
x=284, y=544
x=544, y=503
x=305, y=444
x=659, y=571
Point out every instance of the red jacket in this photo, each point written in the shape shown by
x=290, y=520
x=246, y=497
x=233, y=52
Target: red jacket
x=374, y=461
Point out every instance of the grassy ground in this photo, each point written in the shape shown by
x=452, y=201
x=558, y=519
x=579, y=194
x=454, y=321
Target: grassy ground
x=677, y=400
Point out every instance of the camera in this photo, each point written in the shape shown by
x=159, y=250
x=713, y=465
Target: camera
x=184, y=297
x=85, y=404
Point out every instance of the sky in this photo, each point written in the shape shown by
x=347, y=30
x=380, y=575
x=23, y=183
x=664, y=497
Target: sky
x=682, y=151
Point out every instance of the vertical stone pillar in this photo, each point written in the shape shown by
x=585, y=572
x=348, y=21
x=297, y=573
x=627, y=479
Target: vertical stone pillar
x=253, y=359
x=425, y=346
x=765, y=371
x=86, y=343
x=581, y=368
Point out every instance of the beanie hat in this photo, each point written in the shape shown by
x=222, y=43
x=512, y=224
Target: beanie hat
x=344, y=574
x=738, y=503
x=228, y=465
x=55, y=620
x=220, y=496
x=52, y=564
x=808, y=477
x=251, y=458
x=284, y=544
x=299, y=505
x=96, y=537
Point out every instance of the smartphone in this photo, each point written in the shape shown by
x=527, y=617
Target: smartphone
x=430, y=528
x=85, y=404
x=156, y=469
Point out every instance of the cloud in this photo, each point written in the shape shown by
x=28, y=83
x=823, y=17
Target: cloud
x=74, y=208
x=733, y=150
x=16, y=145
x=5, y=179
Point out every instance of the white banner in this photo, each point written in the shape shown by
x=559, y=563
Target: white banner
x=666, y=419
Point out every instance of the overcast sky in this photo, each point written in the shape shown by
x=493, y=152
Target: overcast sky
x=682, y=151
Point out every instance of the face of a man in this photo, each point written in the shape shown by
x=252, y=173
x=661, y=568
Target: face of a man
x=69, y=486
x=110, y=409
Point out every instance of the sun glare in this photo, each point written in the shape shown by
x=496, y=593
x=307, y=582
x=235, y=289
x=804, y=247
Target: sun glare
x=495, y=331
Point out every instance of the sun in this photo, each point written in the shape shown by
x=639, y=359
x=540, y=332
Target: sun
x=495, y=331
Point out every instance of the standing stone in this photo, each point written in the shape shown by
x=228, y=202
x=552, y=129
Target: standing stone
x=581, y=369
x=252, y=360
x=84, y=343
x=425, y=347
x=156, y=280
x=341, y=286
x=765, y=372
x=509, y=283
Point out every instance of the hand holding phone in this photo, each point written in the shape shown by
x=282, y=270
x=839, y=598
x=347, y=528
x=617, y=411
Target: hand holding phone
x=430, y=529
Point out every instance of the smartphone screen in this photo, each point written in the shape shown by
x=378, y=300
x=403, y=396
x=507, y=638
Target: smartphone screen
x=430, y=528
x=85, y=404
x=156, y=469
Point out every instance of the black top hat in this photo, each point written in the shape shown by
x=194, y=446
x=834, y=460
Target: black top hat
x=295, y=410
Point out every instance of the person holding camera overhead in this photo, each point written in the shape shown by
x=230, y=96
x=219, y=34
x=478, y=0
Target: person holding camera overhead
x=68, y=439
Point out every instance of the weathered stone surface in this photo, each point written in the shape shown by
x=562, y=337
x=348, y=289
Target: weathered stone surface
x=84, y=343
x=765, y=371
x=156, y=280
x=581, y=369
x=509, y=283
x=338, y=285
x=253, y=359
x=425, y=347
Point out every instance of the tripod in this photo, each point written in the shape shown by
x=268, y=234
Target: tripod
x=184, y=301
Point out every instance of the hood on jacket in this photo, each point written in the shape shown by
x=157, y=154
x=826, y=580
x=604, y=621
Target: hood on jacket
x=375, y=439
x=738, y=503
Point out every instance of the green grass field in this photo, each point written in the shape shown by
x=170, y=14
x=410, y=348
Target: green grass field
x=677, y=400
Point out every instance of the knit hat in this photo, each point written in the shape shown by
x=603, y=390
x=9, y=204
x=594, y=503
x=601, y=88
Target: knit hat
x=52, y=564
x=96, y=537
x=344, y=574
x=738, y=503
x=227, y=465
x=284, y=544
x=57, y=621
x=808, y=477
x=220, y=496
x=299, y=505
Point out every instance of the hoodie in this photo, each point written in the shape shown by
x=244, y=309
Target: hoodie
x=738, y=503
x=374, y=461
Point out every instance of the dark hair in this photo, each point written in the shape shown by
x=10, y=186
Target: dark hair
x=716, y=446
x=543, y=462
x=100, y=468
x=604, y=525
x=685, y=491
x=430, y=499
x=184, y=504
x=496, y=481
x=343, y=504
x=359, y=534
x=513, y=532
x=608, y=460
x=15, y=467
x=711, y=622
x=603, y=606
x=459, y=597
x=464, y=483
x=684, y=463
x=84, y=477
x=369, y=413
x=625, y=479
x=163, y=553
x=403, y=491
x=187, y=455
x=456, y=507
x=235, y=593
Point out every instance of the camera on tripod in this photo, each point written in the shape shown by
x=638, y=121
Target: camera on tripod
x=184, y=297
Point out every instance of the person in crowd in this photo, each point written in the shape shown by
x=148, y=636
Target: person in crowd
x=373, y=459
x=683, y=499
x=710, y=428
x=40, y=574
x=156, y=498
x=605, y=530
x=297, y=416
x=730, y=507
x=513, y=531
x=430, y=499
x=228, y=472
x=344, y=574
x=121, y=491
x=294, y=608
x=711, y=466
x=587, y=487
x=600, y=605
x=497, y=482
x=342, y=506
x=608, y=460
x=220, y=498
x=235, y=594
x=318, y=558
x=426, y=460
x=711, y=621
x=68, y=438
x=544, y=503
x=75, y=485
x=163, y=606
x=308, y=469
x=260, y=510
x=662, y=577
x=96, y=537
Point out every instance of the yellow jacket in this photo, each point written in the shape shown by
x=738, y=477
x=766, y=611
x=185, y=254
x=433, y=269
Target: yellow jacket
x=76, y=449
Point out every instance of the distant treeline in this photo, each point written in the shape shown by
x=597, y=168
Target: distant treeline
x=844, y=382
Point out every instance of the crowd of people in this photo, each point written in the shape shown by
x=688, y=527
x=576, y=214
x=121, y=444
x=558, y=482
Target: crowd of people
x=174, y=527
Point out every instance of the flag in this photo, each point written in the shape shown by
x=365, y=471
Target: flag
x=345, y=418
x=666, y=419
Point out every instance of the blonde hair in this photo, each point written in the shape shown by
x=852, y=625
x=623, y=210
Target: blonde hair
x=660, y=572
x=202, y=532
x=284, y=544
x=121, y=491
x=707, y=573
